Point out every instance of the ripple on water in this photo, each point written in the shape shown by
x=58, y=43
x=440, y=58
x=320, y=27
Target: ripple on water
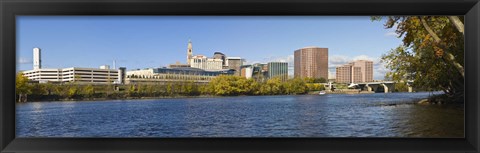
x=365, y=115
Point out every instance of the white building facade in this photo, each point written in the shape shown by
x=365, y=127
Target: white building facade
x=202, y=62
x=75, y=74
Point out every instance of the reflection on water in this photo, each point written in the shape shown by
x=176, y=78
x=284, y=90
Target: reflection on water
x=362, y=115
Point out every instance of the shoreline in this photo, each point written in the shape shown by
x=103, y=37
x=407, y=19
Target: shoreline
x=424, y=101
x=127, y=98
x=141, y=98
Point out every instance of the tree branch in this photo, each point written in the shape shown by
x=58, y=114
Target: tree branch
x=429, y=30
x=457, y=23
x=437, y=40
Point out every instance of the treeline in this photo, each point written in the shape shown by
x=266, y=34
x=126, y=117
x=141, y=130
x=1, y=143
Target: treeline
x=219, y=86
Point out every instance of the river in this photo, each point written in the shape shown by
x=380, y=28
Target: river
x=334, y=115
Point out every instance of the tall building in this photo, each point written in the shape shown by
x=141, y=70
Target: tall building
x=355, y=72
x=343, y=74
x=234, y=63
x=202, y=62
x=37, y=63
x=278, y=69
x=189, y=52
x=366, y=68
x=311, y=62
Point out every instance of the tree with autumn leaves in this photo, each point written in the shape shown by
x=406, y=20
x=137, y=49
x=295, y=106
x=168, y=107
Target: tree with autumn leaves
x=432, y=53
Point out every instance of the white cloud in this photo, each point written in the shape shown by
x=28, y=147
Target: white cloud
x=338, y=59
x=23, y=60
x=363, y=57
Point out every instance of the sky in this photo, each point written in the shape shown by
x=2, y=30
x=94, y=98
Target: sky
x=156, y=41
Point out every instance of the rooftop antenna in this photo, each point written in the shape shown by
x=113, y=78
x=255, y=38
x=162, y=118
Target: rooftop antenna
x=114, y=67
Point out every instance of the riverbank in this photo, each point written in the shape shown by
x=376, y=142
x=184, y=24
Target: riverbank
x=438, y=100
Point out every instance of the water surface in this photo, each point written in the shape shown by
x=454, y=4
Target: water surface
x=359, y=115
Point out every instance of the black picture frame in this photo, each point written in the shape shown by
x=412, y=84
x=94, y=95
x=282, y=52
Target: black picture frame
x=11, y=8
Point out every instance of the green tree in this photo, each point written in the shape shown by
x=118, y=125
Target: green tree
x=72, y=91
x=401, y=87
x=320, y=80
x=89, y=91
x=22, y=88
x=132, y=91
x=273, y=86
x=431, y=54
x=169, y=89
x=296, y=86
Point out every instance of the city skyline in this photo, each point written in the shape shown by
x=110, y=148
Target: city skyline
x=54, y=55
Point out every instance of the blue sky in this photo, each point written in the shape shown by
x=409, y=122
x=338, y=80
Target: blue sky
x=156, y=41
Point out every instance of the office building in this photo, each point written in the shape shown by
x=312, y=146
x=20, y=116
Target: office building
x=311, y=62
x=234, y=63
x=202, y=62
x=278, y=69
x=343, y=74
x=355, y=72
x=366, y=68
x=165, y=75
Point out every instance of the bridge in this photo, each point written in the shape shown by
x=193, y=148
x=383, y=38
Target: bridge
x=388, y=86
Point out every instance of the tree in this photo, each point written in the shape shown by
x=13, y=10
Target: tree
x=273, y=86
x=22, y=88
x=89, y=91
x=320, y=80
x=431, y=53
x=132, y=91
x=72, y=91
x=295, y=86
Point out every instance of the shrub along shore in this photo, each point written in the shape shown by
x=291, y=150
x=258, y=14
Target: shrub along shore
x=220, y=86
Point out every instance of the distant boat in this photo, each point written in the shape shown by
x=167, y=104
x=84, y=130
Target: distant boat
x=322, y=93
